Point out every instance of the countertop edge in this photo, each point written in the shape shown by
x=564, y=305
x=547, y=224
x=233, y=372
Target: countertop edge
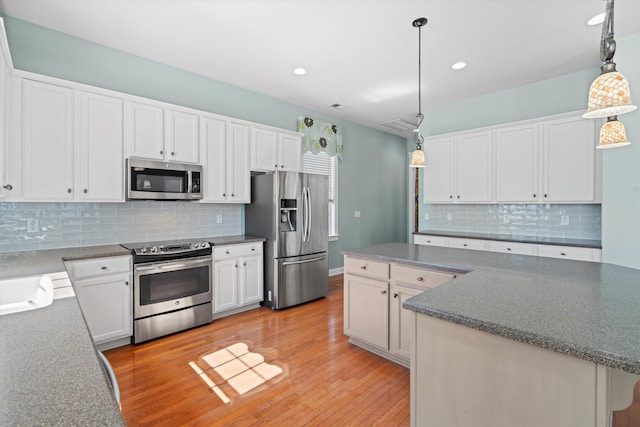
x=520, y=239
x=545, y=342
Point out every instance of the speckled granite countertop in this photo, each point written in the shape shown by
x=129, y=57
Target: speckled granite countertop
x=583, y=309
x=581, y=243
x=30, y=263
x=49, y=370
x=233, y=240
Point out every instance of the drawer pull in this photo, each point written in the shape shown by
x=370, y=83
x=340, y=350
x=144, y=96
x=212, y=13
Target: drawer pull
x=563, y=254
x=226, y=252
x=465, y=245
x=508, y=249
x=363, y=267
x=253, y=249
x=420, y=279
x=104, y=267
x=395, y=295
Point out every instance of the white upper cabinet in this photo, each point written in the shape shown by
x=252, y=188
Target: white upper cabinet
x=438, y=173
x=547, y=160
x=99, y=148
x=458, y=169
x=516, y=164
x=225, y=150
x=568, y=160
x=473, y=167
x=181, y=137
x=271, y=150
x=47, y=144
x=144, y=130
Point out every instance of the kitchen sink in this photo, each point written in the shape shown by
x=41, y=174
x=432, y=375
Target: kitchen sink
x=25, y=293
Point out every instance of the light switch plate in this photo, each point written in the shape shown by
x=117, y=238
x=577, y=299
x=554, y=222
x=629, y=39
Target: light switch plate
x=356, y=214
x=564, y=220
x=33, y=225
x=219, y=219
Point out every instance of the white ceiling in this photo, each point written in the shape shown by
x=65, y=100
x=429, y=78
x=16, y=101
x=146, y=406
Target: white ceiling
x=361, y=54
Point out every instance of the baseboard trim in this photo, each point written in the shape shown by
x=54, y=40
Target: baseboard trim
x=336, y=271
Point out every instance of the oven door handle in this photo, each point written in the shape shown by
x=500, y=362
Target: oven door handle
x=151, y=267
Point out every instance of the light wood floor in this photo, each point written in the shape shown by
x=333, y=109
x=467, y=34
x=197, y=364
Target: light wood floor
x=312, y=375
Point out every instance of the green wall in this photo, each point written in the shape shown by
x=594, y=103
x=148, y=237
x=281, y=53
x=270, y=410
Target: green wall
x=621, y=167
x=372, y=177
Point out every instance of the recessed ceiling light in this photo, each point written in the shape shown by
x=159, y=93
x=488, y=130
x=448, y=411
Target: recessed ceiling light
x=459, y=65
x=299, y=71
x=598, y=19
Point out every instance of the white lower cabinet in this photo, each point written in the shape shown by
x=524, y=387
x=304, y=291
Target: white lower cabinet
x=570, y=252
x=373, y=296
x=103, y=287
x=238, y=281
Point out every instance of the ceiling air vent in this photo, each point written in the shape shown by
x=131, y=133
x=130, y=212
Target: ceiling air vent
x=337, y=106
x=400, y=125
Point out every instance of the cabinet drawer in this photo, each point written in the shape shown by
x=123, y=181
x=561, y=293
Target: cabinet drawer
x=231, y=251
x=364, y=267
x=566, y=252
x=420, y=239
x=418, y=276
x=512, y=248
x=100, y=266
x=479, y=245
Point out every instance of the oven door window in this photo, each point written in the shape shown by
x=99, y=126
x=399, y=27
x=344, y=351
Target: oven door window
x=171, y=285
x=159, y=181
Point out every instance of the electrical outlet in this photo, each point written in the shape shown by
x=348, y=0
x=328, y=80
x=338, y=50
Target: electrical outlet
x=356, y=214
x=564, y=220
x=505, y=219
x=33, y=225
x=219, y=219
x=449, y=216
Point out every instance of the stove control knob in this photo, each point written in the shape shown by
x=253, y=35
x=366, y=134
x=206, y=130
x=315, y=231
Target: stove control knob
x=143, y=250
x=203, y=244
x=154, y=250
x=194, y=245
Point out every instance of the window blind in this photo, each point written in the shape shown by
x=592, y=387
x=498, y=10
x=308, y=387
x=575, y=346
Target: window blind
x=323, y=164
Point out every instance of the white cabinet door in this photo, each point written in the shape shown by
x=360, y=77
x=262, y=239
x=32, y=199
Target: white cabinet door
x=181, y=142
x=47, y=148
x=4, y=132
x=225, y=284
x=214, y=152
x=516, y=165
x=290, y=153
x=144, y=130
x=473, y=167
x=569, y=160
x=264, y=150
x=238, y=170
x=366, y=310
x=99, y=145
x=438, y=173
x=251, y=280
x=400, y=324
x=106, y=305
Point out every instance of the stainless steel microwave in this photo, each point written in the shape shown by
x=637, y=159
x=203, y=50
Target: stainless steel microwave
x=158, y=180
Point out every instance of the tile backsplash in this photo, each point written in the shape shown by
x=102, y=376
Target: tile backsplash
x=63, y=225
x=540, y=220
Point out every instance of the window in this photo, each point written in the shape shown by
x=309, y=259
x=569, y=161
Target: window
x=324, y=164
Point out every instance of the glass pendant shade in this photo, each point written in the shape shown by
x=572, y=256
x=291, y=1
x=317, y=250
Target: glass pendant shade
x=417, y=159
x=612, y=134
x=609, y=95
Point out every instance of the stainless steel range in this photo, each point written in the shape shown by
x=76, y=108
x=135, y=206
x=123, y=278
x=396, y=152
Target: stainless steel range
x=171, y=287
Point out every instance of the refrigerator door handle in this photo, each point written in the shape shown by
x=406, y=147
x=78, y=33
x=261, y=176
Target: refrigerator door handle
x=305, y=214
x=304, y=261
x=309, y=215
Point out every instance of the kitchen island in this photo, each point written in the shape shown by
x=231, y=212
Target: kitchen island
x=519, y=340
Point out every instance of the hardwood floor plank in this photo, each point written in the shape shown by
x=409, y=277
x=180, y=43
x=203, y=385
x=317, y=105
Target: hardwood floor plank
x=325, y=379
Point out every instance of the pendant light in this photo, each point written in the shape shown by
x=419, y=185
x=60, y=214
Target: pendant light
x=609, y=94
x=417, y=157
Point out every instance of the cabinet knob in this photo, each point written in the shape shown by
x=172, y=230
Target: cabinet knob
x=233, y=195
x=253, y=249
x=458, y=196
x=161, y=152
x=126, y=283
x=545, y=195
x=451, y=197
x=224, y=194
x=395, y=295
x=281, y=166
x=85, y=191
x=383, y=292
x=173, y=153
x=534, y=196
x=236, y=265
x=104, y=267
x=275, y=166
x=508, y=249
x=563, y=254
x=69, y=190
x=226, y=252
x=244, y=264
x=420, y=279
x=465, y=245
x=363, y=267
x=8, y=187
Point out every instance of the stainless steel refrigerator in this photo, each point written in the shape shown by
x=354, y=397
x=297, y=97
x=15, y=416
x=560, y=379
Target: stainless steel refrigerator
x=290, y=210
